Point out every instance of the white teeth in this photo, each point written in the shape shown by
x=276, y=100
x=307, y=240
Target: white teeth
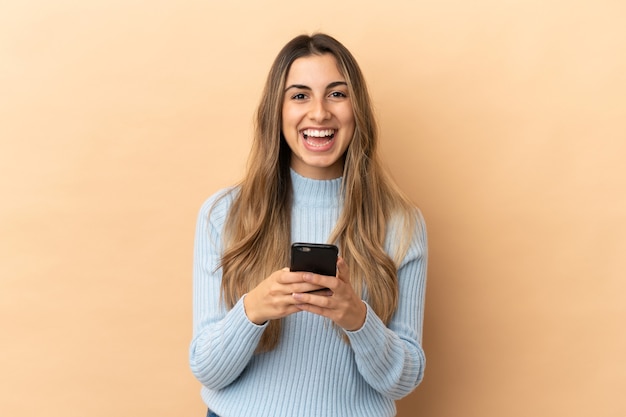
x=318, y=133
x=318, y=145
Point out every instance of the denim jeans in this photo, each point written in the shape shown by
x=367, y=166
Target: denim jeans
x=211, y=414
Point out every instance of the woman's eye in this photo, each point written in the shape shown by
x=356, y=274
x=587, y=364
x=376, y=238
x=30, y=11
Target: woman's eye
x=299, y=96
x=338, y=94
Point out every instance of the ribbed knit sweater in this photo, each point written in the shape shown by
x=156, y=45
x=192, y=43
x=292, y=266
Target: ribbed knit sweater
x=312, y=372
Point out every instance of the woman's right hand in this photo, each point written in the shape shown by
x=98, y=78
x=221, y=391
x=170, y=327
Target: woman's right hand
x=272, y=298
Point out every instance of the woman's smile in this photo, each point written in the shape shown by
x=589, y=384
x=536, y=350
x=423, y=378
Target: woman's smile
x=318, y=140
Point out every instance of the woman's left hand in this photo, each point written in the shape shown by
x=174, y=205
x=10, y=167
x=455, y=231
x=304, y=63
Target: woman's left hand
x=343, y=306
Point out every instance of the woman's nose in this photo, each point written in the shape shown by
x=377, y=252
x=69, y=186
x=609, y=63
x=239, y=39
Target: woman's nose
x=319, y=110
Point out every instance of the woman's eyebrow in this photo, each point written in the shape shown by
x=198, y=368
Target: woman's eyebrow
x=335, y=84
x=306, y=87
x=298, y=86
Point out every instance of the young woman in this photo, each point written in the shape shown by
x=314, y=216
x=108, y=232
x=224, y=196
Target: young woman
x=270, y=342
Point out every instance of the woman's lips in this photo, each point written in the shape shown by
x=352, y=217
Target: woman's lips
x=318, y=139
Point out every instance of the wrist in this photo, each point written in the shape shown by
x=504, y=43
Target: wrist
x=249, y=310
x=362, y=316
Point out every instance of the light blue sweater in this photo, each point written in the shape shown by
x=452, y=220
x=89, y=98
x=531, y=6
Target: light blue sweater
x=312, y=372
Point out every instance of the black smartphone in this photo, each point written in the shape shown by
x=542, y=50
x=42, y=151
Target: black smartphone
x=314, y=257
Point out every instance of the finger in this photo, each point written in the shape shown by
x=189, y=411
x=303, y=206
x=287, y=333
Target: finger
x=305, y=287
x=285, y=276
x=283, y=286
x=313, y=309
x=282, y=307
x=310, y=299
x=298, y=282
x=343, y=272
x=322, y=281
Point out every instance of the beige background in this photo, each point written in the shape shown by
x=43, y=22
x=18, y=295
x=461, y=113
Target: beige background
x=503, y=120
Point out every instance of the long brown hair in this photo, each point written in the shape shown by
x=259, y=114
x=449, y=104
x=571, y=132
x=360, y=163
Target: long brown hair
x=257, y=230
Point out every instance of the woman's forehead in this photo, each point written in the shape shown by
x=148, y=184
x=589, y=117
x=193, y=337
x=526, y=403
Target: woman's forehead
x=313, y=69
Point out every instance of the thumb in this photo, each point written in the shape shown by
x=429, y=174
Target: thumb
x=343, y=272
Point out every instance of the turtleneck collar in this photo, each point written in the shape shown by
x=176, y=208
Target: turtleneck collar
x=315, y=193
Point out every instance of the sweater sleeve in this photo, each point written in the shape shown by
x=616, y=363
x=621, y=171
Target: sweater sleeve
x=223, y=341
x=390, y=358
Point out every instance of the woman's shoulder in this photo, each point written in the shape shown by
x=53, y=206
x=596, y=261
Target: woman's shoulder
x=407, y=220
x=219, y=202
x=406, y=236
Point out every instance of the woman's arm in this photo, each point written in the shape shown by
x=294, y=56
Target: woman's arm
x=391, y=358
x=223, y=341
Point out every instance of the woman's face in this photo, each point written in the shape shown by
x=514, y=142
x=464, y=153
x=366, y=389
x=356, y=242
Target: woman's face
x=318, y=122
